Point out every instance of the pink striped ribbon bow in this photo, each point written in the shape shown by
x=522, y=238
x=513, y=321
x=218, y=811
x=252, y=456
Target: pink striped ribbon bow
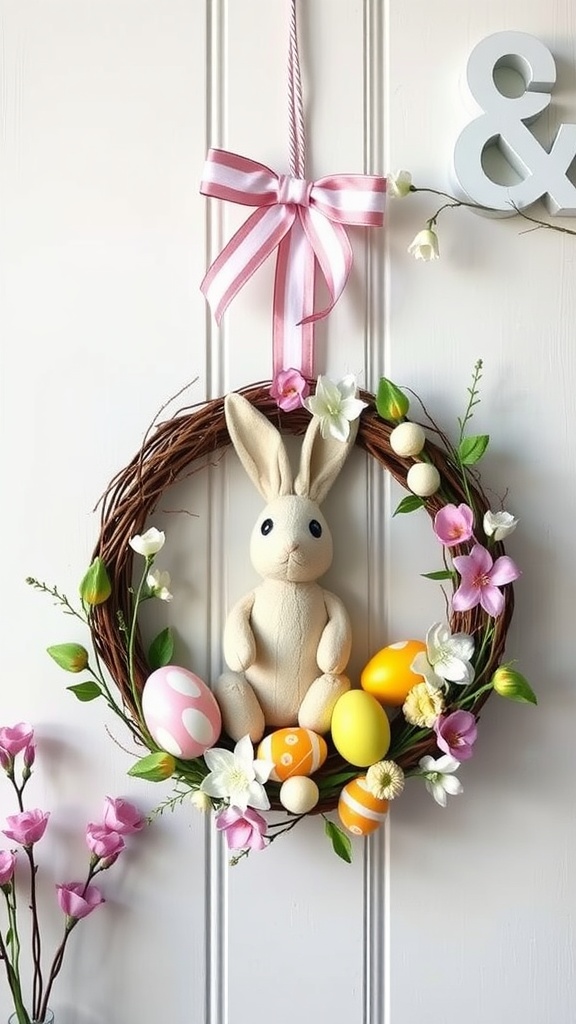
x=304, y=221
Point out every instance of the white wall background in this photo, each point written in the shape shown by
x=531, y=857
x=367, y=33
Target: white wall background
x=107, y=108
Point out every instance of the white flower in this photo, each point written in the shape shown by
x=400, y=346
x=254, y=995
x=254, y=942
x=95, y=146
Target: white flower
x=499, y=524
x=399, y=185
x=385, y=780
x=159, y=585
x=148, y=543
x=447, y=658
x=336, y=406
x=439, y=777
x=425, y=246
x=237, y=777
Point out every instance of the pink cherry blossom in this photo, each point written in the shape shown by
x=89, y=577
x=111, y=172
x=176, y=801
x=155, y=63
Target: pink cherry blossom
x=456, y=734
x=245, y=830
x=453, y=525
x=27, y=827
x=78, y=900
x=481, y=578
x=103, y=842
x=7, y=864
x=14, y=738
x=121, y=816
x=288, y=389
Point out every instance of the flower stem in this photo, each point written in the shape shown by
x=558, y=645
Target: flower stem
x=37, y=984
x=14, y=984
x=132, y=634
x=56, y=966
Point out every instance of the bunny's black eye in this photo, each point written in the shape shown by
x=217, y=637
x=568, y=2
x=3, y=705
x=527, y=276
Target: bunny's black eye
x=266, y=527
x=315, y=528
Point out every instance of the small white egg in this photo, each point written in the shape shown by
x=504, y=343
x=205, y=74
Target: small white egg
x=407, y=439
x=299, y=794
x=423, y=479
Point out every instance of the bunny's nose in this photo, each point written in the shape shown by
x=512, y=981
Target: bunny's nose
x=292, y=548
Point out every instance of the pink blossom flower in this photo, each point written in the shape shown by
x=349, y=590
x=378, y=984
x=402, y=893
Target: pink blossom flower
x=7, y=864
x=14, y=738
x=453, y=525
x=78, y=900
x=456, y=734
x=27, y=827
x=244, y=829
x=481, y=578
x=121, y=816
x=103, y=842
x=288, y=389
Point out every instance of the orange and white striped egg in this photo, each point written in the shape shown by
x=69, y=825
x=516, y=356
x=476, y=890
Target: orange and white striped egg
x=359, y=810
x=294, y=751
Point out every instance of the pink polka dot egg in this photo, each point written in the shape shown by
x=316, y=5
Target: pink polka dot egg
x=181, y=713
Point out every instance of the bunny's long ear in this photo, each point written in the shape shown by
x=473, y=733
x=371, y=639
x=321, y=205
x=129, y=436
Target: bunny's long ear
x=259, y=446
x=321, y=460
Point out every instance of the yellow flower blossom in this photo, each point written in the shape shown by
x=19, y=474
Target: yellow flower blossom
x=423, y=705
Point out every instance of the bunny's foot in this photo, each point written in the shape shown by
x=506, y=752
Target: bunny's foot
x=318, y=704
x=241, y=712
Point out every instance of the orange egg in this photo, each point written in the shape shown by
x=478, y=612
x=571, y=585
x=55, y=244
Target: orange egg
x=293, y=752
x=359, y=811
x=388, y=675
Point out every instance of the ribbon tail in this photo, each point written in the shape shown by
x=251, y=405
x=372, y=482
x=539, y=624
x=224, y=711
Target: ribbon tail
x=293, y=333
x=332, y=249
x=243, y=254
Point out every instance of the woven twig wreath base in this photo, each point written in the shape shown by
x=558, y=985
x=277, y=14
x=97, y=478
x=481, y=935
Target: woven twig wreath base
x=170, y=453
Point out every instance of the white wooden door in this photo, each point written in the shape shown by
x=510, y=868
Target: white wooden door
x=107, y=109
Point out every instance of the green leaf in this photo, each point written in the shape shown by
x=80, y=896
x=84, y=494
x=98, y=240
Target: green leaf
x=70, y=657
x=391, y=403
x=161, y=649
x=154, y=767
x=471, y=449
x=441, y=574
x=86, y=691
x=340, y=842
x=409, y=504
x=95, y=587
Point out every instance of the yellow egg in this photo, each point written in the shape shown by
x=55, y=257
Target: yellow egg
x=293, y=752
x=360, y=728
x=388, y=675
x=359, y=811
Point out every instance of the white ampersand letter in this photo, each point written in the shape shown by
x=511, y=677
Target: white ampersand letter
x=504, y=123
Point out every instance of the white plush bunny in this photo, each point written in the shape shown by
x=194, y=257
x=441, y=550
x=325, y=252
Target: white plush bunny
x=287, y=642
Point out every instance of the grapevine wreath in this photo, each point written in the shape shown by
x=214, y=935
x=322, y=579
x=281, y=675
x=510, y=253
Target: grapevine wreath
x=415, y=712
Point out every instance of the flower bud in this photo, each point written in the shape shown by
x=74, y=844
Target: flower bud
x=29, y=755
x=154, y=767
x=70, y=657
x=399, y=185
x=425, y=245
x=391, y=403
x=499, y=525
x=512, y=685
x=95, y=587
